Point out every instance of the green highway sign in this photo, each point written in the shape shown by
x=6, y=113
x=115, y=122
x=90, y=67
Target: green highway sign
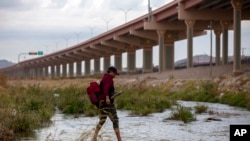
x=40, y=53
x=36, y=53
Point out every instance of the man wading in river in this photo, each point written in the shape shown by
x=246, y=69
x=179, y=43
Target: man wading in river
x=107, y=107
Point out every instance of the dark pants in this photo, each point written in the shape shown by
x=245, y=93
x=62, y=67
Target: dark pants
x=108, y=111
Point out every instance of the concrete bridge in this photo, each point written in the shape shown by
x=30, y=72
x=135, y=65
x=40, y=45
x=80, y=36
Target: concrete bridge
x=178, y=20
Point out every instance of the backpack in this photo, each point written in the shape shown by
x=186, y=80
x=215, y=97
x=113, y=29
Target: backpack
x=95, y=93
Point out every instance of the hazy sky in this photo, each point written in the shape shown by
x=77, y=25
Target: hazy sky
x=51, y=25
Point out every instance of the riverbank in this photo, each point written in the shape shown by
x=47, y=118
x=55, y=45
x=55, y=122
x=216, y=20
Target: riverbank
x=154, y=127
x=228, y=89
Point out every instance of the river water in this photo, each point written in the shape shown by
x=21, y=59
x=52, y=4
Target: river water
x=149, y=128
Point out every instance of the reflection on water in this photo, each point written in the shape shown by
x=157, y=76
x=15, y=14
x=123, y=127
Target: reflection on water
x=150, y=128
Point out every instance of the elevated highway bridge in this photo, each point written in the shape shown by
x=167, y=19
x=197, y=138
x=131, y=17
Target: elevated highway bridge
x=177, y=20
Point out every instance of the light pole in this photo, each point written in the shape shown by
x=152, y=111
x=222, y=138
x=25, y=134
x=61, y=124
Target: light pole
x=211, y=47
x=46, y=47
x=77, y=35
x=125, y=13
x=107, y=23
x=149, y=12
x=19, y=55
x=66, y=41
x=91, y=29
x=56, y=45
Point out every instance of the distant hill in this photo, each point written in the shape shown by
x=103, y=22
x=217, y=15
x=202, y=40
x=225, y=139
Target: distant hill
x=204, y=60
x=198, y=59
x=5, y=63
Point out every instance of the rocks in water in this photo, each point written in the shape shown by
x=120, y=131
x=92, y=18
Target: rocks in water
x=212, y=119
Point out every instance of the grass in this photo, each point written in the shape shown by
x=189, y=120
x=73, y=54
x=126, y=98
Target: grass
x=74, y=100
x=240, y=99
x=143, y=101
x=23, y=109
x=182, y=113
x=200, y=109
x=3, y=80
x=30, y=106
x=205, y=91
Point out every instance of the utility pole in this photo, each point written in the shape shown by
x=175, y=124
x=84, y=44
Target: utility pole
x=56, y=45
x=125, y=13
x=66, y=42
x=107, y=23
x=91, y=29
x=19, y=55
x=149, y=12
x=77, y=35
x=211, y=47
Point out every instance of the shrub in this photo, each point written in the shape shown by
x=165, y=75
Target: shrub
x=197, y=91
x=74, y=100
x=182, y=113
x=22, y=111
x=142, y=101
x=241, y=99
x=200, y=109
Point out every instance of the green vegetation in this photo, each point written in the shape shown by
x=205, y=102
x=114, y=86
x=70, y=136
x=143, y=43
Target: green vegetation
x=205, y=91
x=25, y=108
x=200, y=109
x=74, y=100
x=143, y=101
x=240, y=99
x=182, y=113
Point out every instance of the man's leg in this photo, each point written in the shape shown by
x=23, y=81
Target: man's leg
x=114, y=118
x=102, y=120
x=97, y=129
x=117, y=133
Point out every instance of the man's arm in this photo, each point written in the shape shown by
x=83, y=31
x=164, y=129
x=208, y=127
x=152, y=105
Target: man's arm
x=107, y=83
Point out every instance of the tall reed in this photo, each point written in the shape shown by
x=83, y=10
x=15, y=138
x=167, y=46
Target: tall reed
x=23, y=109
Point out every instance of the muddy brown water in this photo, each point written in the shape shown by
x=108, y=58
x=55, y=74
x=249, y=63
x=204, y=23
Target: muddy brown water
x=149, y=128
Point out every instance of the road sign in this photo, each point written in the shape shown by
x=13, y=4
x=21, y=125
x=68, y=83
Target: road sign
x=32, y=53
x=40, y=53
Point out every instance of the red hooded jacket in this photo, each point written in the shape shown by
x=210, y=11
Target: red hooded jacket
x=107, y=85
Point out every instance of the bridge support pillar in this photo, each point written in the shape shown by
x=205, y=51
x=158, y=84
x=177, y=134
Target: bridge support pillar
x=118, y=62
x=38, y=72
x=97, y=65
x=46, y=71
x=190, y=27
x=52, y=71
x=131, y=61
x=147, y=59
x=237, y=4
x=58, y=70
x=217, y=47
x=32, y=73
x=161, y=36
x=79, y=68
x=87, y=67
x=224, y=42
x=71, y=69
x=169, y=55
x=106, y=62
x=22, y=72
x=26, y=74
x=64, y=70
